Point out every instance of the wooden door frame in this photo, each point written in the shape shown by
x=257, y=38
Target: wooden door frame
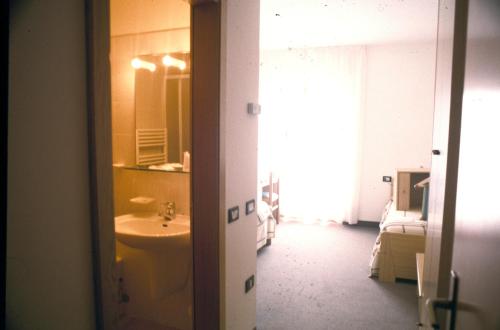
x=205, y=162
x=205, y=183
x=4, y=87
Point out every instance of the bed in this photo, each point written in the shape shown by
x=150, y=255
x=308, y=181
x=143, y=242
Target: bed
x=266, y=224
x=270, y=195
x=268, y=209
x=401, y=237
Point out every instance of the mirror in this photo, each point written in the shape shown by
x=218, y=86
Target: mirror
x=162, y=110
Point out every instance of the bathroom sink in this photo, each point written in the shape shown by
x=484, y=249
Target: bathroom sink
x=150, y=231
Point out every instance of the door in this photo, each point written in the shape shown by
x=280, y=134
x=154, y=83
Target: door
x=445, y=144
x=476, y=249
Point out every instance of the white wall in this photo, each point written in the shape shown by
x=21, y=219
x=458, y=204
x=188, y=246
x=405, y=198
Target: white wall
x=49, y=265
x=140, y=16
x=239, y=85
x=131, y=22
x=398, y=118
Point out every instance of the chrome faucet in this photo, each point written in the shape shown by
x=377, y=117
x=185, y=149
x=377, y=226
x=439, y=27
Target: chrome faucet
x=167, y=210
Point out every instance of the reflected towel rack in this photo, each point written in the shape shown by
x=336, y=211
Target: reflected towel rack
x=151, y=146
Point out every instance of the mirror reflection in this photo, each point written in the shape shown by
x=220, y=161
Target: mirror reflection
x=162, y=111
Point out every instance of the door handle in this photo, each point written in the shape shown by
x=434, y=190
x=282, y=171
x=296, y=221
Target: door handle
x=444, y=303
x=436, y=152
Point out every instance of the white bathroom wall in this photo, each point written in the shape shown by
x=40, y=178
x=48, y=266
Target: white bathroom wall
x=239, y=85
x=162, y=186
x=129, y=17
x=139, y=28
x=398, y=118
x=49, y=264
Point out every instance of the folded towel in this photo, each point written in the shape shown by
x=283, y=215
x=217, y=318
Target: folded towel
x=163, y=167
x=142, y=200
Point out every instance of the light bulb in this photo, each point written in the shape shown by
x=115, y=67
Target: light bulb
x=140, y=64
x=167, y=60
x=151, y=67
x=170, y=61
x=136, y=63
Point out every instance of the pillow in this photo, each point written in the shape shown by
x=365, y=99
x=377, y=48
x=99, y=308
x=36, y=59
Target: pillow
x=264, y=211
x=387, y=208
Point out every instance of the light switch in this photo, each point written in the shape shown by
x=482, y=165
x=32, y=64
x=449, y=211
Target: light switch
x=249, y=283
x=233, y=214
x=250, y=206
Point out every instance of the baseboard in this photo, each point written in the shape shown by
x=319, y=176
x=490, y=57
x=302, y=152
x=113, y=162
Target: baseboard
x=368, y=223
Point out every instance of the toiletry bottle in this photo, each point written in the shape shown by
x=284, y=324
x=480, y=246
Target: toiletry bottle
x=186, y=162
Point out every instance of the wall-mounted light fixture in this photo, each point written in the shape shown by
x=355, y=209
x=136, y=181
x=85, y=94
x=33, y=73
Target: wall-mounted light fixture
x=170, y=61
x=140, y=64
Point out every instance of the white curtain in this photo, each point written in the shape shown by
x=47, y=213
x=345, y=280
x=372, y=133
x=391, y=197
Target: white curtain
x=309, y=129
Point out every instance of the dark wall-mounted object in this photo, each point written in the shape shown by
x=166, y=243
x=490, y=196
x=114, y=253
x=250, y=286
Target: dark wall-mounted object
x=233, y=214
x=249, y=206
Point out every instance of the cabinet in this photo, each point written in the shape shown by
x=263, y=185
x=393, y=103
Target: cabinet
x=408, y=197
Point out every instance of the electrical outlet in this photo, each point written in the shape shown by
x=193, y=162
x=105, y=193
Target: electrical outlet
x=233, y=214
x=250, y=206
x=387, y=178
x=249, y=283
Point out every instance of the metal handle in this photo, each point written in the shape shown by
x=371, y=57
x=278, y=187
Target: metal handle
x=436, y=152
x=431, y=305
x=167, y=210
x=451, y=304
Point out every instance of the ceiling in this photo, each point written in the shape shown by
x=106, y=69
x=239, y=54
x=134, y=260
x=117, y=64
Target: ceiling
x=319, y=23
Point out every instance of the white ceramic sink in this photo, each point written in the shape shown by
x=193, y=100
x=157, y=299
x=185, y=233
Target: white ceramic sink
x=150, y=231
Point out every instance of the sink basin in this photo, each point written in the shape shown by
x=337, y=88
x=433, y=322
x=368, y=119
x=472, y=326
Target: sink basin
x=150, y=231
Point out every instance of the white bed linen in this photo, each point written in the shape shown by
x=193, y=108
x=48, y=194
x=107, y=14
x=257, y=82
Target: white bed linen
x=394, y=221
x=390, y=214
x=265, y=224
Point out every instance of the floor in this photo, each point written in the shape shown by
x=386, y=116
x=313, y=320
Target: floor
x=315, y=276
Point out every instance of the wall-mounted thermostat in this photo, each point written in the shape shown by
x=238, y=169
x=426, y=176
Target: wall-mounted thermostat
x=253, y=108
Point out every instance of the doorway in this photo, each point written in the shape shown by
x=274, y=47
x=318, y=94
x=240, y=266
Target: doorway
x=206, y=21
x=386, y=124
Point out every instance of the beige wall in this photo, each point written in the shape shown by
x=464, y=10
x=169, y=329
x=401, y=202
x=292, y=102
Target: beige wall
x=123, y=100
x=240, y=68
x=162, y=186
x=138, y=16
x=49, y=258
x=398, y=118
